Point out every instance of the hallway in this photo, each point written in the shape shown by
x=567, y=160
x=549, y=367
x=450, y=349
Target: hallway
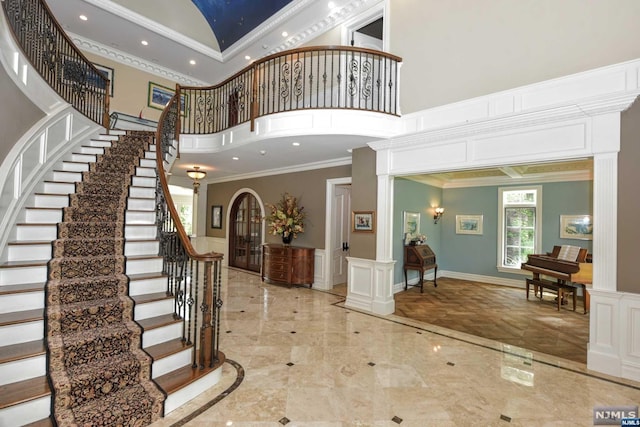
x=302, y=359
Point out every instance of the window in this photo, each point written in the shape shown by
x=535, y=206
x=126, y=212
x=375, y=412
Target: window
x=519, y=232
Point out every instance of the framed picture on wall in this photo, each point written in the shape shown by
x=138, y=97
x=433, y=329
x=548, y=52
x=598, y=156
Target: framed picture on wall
x=576, y=227
x=108, y=73
x=411, y=224
x=469, y=224
x=216, y=216
x=363, y=221
x=159, y=96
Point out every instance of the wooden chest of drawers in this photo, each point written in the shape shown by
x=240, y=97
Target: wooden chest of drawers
x=288, y=265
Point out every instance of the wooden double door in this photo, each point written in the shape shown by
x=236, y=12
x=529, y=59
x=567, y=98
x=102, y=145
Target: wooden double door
x=245, y=239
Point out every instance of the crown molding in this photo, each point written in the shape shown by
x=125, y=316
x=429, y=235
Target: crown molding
x=151, y=25
x=503, y=180
x=280, y=171
x=133, y=61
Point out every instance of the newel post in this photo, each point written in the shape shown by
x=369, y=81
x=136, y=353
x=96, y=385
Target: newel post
x=206, y=330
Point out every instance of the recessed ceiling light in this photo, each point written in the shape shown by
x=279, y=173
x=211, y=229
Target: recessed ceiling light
x=83, y=17
x=247, y=57
x=235, y=158
x=295, y=144
x=192, y=62
x=331, y=5
x=285, y=34
x=144, y=42
x=263, y=152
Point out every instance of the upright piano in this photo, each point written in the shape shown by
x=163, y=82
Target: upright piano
x=421, y=258
x=567, y=274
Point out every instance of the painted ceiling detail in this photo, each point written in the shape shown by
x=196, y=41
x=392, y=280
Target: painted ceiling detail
x=230, y=20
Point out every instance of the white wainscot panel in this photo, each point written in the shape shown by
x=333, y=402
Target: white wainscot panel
x=460, y=112
x=319, y=274
x=289, y=122
x=361, y=282
x=428, y=157
x=533, y=144
x=630, y=336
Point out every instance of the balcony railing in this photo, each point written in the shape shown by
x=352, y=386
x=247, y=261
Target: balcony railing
x=57, y=60
x=307, y=78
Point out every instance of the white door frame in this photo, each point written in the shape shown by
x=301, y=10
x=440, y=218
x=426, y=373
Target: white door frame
x=328, y=262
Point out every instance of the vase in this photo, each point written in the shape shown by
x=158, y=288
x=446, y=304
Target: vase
x=287, y=239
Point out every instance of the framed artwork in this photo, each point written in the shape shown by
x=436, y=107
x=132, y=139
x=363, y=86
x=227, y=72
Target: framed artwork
x=411, y=224
x=576, y=227
x=363, y=221
x=469, y=224
x=216, y=216
x=108, y=73
x=159, y=96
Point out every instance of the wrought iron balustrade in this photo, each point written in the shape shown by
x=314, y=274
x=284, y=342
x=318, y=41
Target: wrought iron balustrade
x=307, y=78
x=57, y=59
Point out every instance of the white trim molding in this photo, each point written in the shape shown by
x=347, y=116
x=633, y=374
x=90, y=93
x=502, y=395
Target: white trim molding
x=368, y=285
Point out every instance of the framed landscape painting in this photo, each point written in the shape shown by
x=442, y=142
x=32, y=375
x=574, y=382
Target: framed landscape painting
x=576, y=227
x=469, y=224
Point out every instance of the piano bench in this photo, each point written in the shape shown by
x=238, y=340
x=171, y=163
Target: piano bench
x=561, y=289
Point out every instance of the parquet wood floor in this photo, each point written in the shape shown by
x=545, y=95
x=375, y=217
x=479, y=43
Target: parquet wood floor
x=500, y=313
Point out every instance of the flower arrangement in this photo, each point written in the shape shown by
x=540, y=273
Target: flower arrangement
x=286, y=218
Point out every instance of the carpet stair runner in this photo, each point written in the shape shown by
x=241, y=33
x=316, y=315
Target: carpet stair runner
x=100, y=376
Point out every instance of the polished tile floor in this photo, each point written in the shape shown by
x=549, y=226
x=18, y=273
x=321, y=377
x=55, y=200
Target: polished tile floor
x=298, y=357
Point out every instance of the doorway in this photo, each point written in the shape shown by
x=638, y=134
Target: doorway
x=245, y=239
x=337, y=230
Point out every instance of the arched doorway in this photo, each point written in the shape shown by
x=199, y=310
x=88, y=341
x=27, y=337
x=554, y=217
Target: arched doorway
x=245, y=239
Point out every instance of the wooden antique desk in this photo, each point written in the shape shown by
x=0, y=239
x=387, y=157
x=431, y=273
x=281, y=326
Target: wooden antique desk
x=421, y=258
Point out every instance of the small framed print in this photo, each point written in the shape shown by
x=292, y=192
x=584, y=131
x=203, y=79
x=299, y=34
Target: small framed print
x=469, y=224
x=108, y=73
x=576, y=227
x=216, y=216
x=159, y=96
x=363, y=221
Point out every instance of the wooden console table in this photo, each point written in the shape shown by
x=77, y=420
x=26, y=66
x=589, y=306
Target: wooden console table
x=287, y=265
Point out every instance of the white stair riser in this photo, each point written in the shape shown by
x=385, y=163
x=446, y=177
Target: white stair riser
x=140, y=217
x=153, y=309
x=46, y=216
x=50, y=201
x=37, y=232
x=140, y=231
x=143, y=181
x=171, y=363
x=142, y=192
x=35, y=252
x=23, y=369
x=75, y=167
x=185, y=394
x=98, y=143
x=141, y=204
x=151, y=154
x=59, y=187
x=66, y=176
x=160, y=335
x=23, y=332
x=145, y=172
x=148, y=163
x=113, y=136
x=21, y=301
x=91, y=150
x=133, y=248
x=147, y=286
x=141, y=266
x=19, y=275
x=83, y=157
x=27, y=412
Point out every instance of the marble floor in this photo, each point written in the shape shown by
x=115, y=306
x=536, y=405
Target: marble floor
x=298, y=357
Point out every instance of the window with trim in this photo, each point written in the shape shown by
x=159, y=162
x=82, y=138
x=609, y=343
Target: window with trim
x=519, y=219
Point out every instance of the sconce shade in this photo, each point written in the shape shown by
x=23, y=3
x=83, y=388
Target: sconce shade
x=438, y=214
x=196, y=173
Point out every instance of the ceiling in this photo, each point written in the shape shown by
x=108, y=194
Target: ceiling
x=221, y=37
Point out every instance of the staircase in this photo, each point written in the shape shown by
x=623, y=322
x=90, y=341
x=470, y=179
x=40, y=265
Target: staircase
x=25, y=396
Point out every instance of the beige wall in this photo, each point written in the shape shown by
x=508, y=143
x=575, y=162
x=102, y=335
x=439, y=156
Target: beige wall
x=459, y=49
x=628, y=201
x=131, y=86
x=309, y=187
x=364, y=196
x=17, y=114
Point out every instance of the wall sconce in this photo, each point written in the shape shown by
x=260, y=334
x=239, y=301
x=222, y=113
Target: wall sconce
x=437, y=215
x=196, y=174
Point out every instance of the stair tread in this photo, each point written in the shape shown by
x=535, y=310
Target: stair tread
x=41, y=208
x=182, y=377
x=157, y=322
x=167, y=348
x=21, y=316
x=139, y=257
x=23, y=391
x=146, y=298
x=10, y=353
x=30, y=263
x=29, y=242
x=145, y=276
x=21, y=288
x=45, y=422
x=35, y=224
